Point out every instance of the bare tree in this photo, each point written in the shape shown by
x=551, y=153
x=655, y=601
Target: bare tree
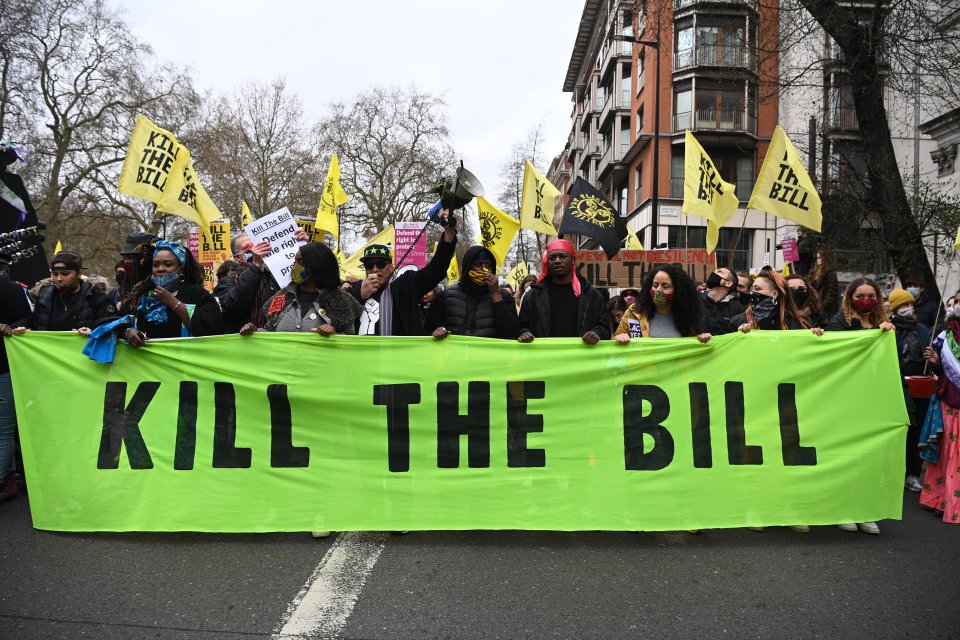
x=393, y=145
x=526, y=247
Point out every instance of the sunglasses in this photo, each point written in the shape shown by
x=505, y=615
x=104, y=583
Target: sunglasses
x=800, y=288
x=375, y=264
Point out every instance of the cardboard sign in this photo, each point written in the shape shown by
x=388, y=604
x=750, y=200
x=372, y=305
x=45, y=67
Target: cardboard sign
x=215, y=244
x=788, y=244
x=628, y=268
x=408, y=235
x=279, y=229
x=309, y=224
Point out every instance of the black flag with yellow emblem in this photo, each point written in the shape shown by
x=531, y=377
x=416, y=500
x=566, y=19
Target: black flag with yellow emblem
x=590, y=214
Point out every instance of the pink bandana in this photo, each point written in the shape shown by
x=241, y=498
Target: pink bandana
x=561, y=245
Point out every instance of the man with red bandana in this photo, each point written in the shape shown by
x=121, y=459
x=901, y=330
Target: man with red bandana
x=561, y=304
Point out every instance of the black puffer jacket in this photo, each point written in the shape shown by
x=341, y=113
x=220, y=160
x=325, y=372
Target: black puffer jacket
x=90, y=308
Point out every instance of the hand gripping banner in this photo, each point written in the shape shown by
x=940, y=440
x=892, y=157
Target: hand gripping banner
x=293, y=432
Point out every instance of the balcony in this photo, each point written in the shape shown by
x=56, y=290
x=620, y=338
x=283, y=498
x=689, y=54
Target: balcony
x=844, y=119
x=616, y=101
x=744, y=188
x=613, y=50
x=723, y=56
x=716, y=120
x=683, y=4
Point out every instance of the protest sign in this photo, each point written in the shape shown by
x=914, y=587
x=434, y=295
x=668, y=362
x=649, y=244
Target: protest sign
x=628, y=268
x=408, y=235
x=666, y=434
x=215, y=243
x=309, y=225
x=193, y=242
x=280, y=230
x=788, y=244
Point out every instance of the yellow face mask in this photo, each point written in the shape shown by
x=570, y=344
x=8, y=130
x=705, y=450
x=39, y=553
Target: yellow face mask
x=477, y=276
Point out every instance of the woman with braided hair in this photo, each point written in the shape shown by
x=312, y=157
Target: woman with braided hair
x=171, y=302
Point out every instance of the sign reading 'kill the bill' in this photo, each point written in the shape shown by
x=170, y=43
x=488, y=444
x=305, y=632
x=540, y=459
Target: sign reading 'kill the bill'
x=628, y=268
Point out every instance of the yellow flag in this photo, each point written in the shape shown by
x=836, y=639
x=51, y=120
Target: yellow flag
x=516, y=275
x=332, y=197
x=784, y=188
x=453, y=271
x=633, y=242
x=704, y=192
x=352, y=264
x=786, y=269
x=956, y=242
x=245, y=216
x=497, y=229
x=538, y=201
x=58, y=248
x=158, y=168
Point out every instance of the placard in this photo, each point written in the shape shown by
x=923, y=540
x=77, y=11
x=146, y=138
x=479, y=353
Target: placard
x=280, y=230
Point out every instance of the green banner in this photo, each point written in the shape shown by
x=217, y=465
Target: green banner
x=291, y=432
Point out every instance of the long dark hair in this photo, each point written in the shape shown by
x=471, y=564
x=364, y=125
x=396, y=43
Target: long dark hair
x=143, y=270
x=787, y=307
x=322, y=265
x=686, y=308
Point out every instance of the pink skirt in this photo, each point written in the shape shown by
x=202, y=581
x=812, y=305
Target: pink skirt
x=941, y=484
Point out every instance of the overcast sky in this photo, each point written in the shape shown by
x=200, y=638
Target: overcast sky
x=500, y=64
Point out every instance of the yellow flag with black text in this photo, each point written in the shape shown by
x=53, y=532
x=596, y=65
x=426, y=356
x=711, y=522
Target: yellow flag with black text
x=453, y=271
x=497, y=229
x=784, y=187
x=332, y=197
x=186, y=197
x=633, y=242
x=538, y=201
x=517, y=275
x=245, y=216
x=705, y=194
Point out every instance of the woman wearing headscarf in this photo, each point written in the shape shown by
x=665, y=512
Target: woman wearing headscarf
x=474, y=305
x=69, y=303
x=940, y=440
x=861, y=308
x=313, y=302
x=171, y=302
x=668, y=306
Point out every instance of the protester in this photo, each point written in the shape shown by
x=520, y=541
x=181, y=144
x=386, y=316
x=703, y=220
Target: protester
x=70, y=303
x=524, y=286
x=242, y=299
x=860, y=309
x=616, y=307
x=313, y=301
x=667, y=306
x=823, y=278
x=806, y=249
x=940, y=440
x=172, y=302
x=744, y=282
x=629, y=296
x=720, y=302
x=562, y=304
x=474, y=305
x=912, y=339
x=771, y=306
x=924, y=308
x=391, y=301
x=135, y=257
x=15, y=314
x=807, y=299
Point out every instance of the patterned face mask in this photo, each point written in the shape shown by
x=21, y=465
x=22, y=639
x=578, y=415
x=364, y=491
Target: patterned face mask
x=477, y=276
x=660, y=298
x=166, y=281
x=298, y=274
x=762, y=305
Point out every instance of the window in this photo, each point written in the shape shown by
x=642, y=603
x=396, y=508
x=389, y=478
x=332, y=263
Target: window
x=622, y=198
x=624, y=141
x=601, y=96
x=720, y=109
x=640, y=68
x=638, y=180
x=683, y=56
x=682, y=110
x=640, y=120
x=676, y=175
x=625, y=88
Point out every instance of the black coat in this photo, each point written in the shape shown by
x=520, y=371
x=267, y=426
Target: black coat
x=14, y=311
x=591, y=311
x=205, y=321
x=242, y=298
x=406, y=291
x=32, y=266
x=90, y=308
x=925, y=311
x=717, y=316
x=473, y=313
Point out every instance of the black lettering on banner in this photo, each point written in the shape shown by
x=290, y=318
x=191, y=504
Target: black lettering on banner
x=700, y=426
x=186, y=446
x=635, y=425
x=451, y=425
x=397, y=398
x=225, y=454
x=738, y=451
x=794, y=455
x=520, y=423
x=282, y=451
x=121, y=425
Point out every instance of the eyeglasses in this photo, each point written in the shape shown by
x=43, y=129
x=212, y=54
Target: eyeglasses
x=801, y=289
x=375, y=264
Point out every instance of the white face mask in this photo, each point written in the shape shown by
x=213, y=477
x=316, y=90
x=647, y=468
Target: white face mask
x=819, y=260
x=951, y=311
x=906, y=311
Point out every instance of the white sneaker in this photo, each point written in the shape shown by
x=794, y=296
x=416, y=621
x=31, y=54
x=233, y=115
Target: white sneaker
x=847, y=526
x=800, y=528
x=913, y=484
x=869, y=527
x=320, y=534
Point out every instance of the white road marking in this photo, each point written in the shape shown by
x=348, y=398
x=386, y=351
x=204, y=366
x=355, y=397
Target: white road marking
x=325, y=602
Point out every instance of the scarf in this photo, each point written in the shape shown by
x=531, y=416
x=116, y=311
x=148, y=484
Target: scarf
x=561, y=245
x=175, y=247
x=949, y=357
x=386, y=309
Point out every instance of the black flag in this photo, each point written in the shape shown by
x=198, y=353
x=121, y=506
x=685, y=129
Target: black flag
x=589, y=214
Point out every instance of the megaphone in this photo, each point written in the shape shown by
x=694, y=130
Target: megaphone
x=458, y=192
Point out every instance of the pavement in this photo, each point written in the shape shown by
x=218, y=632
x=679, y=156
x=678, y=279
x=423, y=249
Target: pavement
x=734, y=583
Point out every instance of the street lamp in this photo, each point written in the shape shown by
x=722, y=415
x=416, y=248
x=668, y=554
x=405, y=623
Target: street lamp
x=655, y=45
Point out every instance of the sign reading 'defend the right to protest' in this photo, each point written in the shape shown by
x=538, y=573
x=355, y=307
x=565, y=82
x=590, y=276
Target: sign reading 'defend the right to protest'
x=788, y=244
x=280, y=230
x=410, y=242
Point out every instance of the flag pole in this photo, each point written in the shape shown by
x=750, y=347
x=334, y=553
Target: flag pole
x=936, y=318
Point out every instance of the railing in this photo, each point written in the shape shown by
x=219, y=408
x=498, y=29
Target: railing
x=681, y=121
x=725, y=120
x=681, y=4
x=715, y=55
x=744, y=188
x=845, y=118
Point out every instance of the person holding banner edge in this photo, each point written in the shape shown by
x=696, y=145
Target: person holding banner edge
x=668, y=307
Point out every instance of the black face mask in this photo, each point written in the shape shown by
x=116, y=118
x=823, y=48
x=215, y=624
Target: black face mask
x=800, y=297
x=121, y=277
x=763, y=306
x=744, y=299
x=713, y=281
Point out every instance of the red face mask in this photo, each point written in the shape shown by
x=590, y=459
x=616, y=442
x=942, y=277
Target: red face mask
x=864, y=305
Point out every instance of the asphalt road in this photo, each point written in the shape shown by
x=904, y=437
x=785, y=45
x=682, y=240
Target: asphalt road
x=735, y=583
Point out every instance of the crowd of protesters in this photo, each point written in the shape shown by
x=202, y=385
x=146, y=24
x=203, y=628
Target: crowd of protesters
x=160, y=293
